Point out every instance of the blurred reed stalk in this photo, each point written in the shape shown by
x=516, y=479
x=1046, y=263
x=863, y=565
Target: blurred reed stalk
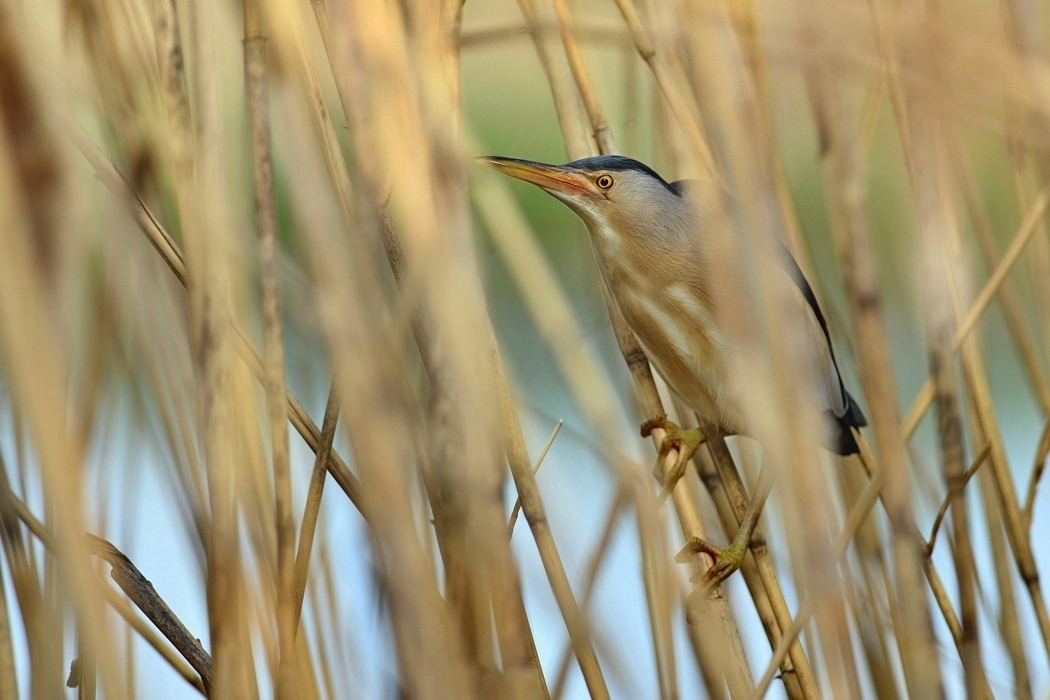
x=343, y=123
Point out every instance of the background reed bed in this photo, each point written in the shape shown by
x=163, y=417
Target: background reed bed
x=246, y=253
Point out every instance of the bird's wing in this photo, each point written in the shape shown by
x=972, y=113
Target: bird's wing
x=832, y=391
x=834, y=396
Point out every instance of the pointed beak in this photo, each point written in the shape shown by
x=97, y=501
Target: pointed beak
x=553, y=178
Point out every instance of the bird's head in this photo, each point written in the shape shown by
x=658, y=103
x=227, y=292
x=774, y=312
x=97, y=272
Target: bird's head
x=613, y=194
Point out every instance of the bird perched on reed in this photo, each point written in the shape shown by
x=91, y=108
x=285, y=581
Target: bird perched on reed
x=650, y=246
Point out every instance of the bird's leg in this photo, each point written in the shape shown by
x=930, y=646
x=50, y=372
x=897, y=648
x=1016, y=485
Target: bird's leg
x=684, y=440
x=728, y=560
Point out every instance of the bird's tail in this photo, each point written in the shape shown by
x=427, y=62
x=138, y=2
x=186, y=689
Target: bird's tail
x=854, y=416
x=839, y=428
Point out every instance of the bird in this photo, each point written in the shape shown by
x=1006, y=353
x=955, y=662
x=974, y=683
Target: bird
x=649, y=243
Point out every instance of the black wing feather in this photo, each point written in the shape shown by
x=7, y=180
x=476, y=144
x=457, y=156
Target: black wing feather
x=839, y=426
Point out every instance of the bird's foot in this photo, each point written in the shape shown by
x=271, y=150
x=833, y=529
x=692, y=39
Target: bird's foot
x=726, y=561
x=685, y=441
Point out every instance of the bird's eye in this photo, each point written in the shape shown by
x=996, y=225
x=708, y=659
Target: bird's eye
x=604, y=181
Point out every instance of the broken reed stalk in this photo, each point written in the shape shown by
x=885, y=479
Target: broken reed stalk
x=141, y=592
x=149, y=634
x=138, y=589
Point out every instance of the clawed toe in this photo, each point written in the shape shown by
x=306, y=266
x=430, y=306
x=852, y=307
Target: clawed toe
x=726, y=561
x=683, y=441
x=659, y=422
x=695, y=546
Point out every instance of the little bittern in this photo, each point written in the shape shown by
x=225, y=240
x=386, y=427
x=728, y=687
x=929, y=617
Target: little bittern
x=651, y=250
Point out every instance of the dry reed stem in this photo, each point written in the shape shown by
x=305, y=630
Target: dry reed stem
x=535, y=515
x=431, y=656
x=1009, y=622
x=937, y=233
x=571, y=120
x=1008, y=294
x=751, y=572
x=1016, y=525
x=940, y=595
x=195, y=147
x=1021, y=21
x=797, y=674
x=1029, y=227
x=1038, y=466
x=726, y=488
x=843, y=179
x=8, y=676
x=83, y=673
x=257, y=89
x=44, y=669
x=854, y=521
x=593, y=30
x=520, y=660
x=35, y=161
x=1016, y=532
x=594, y=561
x=535, y=469
x=670, y=89
x=444, y=480
x=445, y=487
x=737, y=672
x=141, y=592
x=149, y=634
x=548, y=553
x=657, y=572
x=551, y=311
x=747, y=23
x=172, y=255
x=315, y=490
x=599, y=125
x=954, y=494
x=518, y=648
x=749, y=221
x=36, y=371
